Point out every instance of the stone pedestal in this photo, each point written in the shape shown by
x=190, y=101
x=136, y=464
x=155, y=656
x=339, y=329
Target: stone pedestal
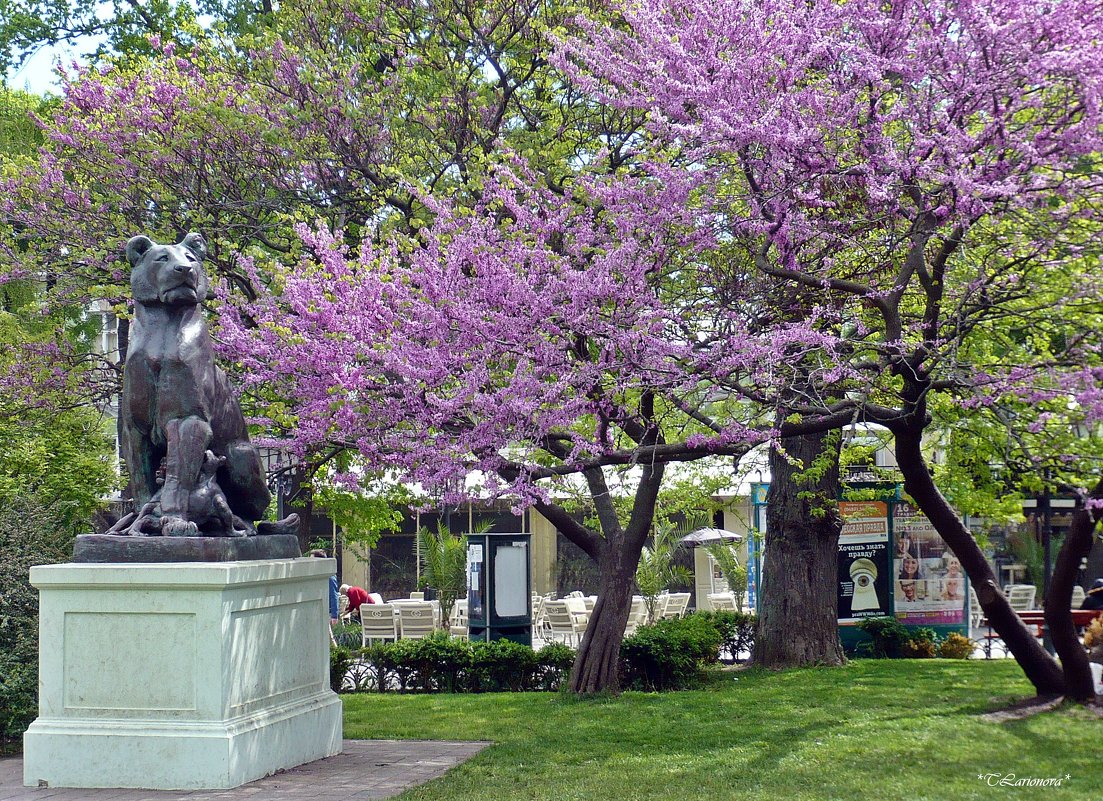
x=181, y=676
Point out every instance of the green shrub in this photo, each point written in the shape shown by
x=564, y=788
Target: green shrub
x=553, y=664
x=669, y=654
x=887, y=637
x=29, y=535
x=919, y=648
x=440, y=663
x=339, y=661
x=401, y=660
x=956, y=646
x=502, y=665
x=922, y=644
x=737, y=630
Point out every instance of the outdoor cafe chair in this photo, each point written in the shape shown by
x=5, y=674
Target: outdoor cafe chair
x=577, y=607
x=563, y=624
x=636, y=615
x=1021, y=596
x=661, y=601
x=976, y=614
x=458, y=621
x=377, y=622
x=539, y=617
x=416, y=620
x=1078, y=596
x=722, y=601
x=676, y=605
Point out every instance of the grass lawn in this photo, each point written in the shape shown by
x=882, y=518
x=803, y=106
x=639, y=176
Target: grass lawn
x=870, y=730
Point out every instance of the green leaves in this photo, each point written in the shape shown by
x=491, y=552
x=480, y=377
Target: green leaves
x=656, y=570
x=443, y=565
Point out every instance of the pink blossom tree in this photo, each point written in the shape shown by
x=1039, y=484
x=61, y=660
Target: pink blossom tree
x=536, y=336
x=924, y=166
x=360, y=139
x=827, y=203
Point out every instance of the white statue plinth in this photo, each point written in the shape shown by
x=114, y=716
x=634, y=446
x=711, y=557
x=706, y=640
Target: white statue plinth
x=181, y=676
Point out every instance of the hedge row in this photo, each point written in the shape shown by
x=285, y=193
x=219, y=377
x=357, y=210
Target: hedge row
x=444, y=664
x=669, y=655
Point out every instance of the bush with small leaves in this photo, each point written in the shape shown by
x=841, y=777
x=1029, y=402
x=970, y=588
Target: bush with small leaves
x=28, y=536
x=956, y=646
x=503, y=665
x=339, y=661
x=737, y=630
x=440, y=663
x=887, y=637
x=669, y=654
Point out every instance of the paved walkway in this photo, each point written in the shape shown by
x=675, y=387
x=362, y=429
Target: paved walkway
x=365, y=770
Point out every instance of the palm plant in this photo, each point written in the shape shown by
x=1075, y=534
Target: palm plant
x=734, y=573
x=656, y=569
x=443, y=565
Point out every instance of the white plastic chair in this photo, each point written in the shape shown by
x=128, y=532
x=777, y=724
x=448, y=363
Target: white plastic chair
x=577, y=607
x=539, y=617
x=1021, y=596
x=722, y=601
x=562, y=623
x=676, y=605
x=416, y=620
x=377, y=622
x=637, y=615
x=458, y=621
x=661, y=600
x=343, y=613
x=1078, y=596
x=976, y=614
x=417, y=596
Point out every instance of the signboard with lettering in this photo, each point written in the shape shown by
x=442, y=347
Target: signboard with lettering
x=864, y=566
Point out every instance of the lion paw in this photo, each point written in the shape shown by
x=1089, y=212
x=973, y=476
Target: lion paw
x=178, y=527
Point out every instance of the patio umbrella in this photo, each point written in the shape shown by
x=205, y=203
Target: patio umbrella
x=706, y=536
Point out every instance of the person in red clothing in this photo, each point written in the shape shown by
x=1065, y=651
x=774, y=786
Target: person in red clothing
x=356, y=596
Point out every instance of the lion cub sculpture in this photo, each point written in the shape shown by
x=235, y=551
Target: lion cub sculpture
x=193, y=470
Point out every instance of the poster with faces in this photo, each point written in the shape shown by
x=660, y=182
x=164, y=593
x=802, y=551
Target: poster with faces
x=929, y=582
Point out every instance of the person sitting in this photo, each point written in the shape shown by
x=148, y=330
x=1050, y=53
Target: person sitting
x=1094, y=597
x=356, y=596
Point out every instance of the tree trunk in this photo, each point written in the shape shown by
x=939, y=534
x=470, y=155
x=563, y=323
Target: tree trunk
x=1062, y=631
x=1042, y=670
x=1094, y=568
x=798, y=621
x=597, y=665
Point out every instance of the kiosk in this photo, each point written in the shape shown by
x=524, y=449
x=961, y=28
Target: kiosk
x=499, y=587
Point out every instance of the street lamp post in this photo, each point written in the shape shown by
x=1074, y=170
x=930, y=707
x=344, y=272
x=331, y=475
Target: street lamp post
x=1045, y=511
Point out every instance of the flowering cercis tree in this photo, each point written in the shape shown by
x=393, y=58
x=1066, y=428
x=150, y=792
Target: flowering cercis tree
x=930, y=167
x=529, y=338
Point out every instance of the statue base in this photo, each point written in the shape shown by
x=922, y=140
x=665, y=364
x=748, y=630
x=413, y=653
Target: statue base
x=182, y=676
x=114, y=549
